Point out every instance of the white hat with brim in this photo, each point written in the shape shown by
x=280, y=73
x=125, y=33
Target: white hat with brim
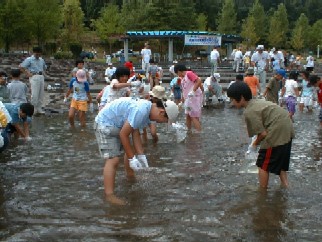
x=216, y=75
x=172, y=110
x=81, y=75
x=260, y=47
x=158, y=92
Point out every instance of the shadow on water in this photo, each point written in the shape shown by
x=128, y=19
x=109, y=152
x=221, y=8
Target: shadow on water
x=52, y=187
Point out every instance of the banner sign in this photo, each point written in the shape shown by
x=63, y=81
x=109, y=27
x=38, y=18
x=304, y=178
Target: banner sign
x=202, y=40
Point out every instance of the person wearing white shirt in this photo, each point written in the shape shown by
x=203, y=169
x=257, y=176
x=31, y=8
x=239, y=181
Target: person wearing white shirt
x=310, y=62
x=290, y=92
x=110, y=70
x=214, y=59
x=146, y=56
x=260, y=60
x=238, y=57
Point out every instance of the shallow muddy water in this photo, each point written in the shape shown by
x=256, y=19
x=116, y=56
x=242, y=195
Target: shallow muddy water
x=51, y=188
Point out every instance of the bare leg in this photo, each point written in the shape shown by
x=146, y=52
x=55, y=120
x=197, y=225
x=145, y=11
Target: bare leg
x=196, y=123
x=82, y=118
x=188, y=122
x=263, y=178
x=128, y=170
x=283, y=178
x=301, y=107
x=109, y=180
x=71, y=117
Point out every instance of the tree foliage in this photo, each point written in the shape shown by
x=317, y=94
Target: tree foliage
x=248, y=32
x=227, y=21
x=278, y=28
x=299, y=38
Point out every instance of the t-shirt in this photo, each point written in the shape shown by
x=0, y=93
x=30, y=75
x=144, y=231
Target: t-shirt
x=80, y=89
x=260, y=59
x=116, y=113
x=307, y=91
x=214, y=55
x=273, y=87
x=146, y=54
x=310, y=61
x=290, y=84
x=320, y=94
x=17, y=91
x=153, y=70
x=110, y=94
x=252, y=82
x=110, y=71
x=261, y=115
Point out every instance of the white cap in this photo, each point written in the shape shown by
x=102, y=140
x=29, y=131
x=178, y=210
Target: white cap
x=216, y=75
x=172, y=110
x=81, y=75
x=260, y=47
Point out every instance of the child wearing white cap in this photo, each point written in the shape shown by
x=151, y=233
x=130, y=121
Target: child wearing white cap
x=212, y=87
x=114, y=125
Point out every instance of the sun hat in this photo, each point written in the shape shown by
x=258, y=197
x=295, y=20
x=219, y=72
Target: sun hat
x=158, y=92
x=171, y=109
x=281, y=72
x=81, y=75
x=216, y=75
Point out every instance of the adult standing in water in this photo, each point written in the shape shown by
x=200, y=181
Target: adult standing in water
x=35, y=66
x=146, y=56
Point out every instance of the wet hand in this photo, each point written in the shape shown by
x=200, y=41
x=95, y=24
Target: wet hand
x=65, y=100
x=91, y=107
x=252, y=149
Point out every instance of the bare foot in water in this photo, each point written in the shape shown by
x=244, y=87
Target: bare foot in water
x=111, y=198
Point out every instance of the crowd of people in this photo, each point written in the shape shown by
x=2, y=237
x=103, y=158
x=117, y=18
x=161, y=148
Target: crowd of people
x=133, y=102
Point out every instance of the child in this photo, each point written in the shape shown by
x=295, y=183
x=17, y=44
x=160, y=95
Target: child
x=273, y=86
x=192, y=95
x=176, y=90
x=4, y=93
x=20, y=114
x=316, y=81
x=116, y=123
x=274, y=131
x=119, y=87
x=153, y=74
x=81, y=98
x=17, y=89
x=290, y=92
x=252, y=81
x=306, y=99
x=79, y=65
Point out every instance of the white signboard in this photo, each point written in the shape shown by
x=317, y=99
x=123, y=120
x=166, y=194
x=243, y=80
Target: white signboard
x=202, y=40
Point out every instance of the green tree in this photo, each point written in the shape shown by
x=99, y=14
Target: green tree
x=258, y=13
x=202, y=22
x=315, y=35
x=11, y=23
x=108, y=24
x=299, y=37
x=278, y=28
x=227, y=20
x=248, y=32
x=73, y=21
x=44, y=18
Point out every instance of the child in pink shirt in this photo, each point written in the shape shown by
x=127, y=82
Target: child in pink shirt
x=192, y=95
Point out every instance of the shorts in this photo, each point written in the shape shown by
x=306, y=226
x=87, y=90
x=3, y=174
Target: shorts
x=177, y=93
x=290, y=104
x=108, y=139
x=79, y=105
x=309, y=69
x=275, y=159
x=307, y=101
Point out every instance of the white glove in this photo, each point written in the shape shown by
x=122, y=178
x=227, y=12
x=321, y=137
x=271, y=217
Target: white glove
x=135, y=163
x=91, y=107
x=65, y=99
x=143, y=160
x=251, y=149
x=191, y=94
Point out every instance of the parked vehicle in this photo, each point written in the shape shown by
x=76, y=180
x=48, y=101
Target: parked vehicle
x=121, y=52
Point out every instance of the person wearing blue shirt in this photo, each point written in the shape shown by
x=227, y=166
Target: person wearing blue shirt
x=306, y=98
x=35, y=66
x=81, y=97
x=114, y=125
x=20, y=114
